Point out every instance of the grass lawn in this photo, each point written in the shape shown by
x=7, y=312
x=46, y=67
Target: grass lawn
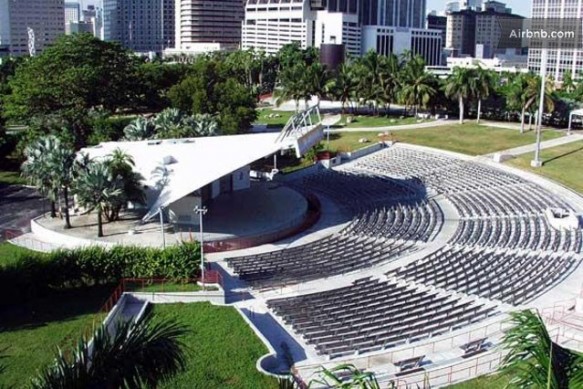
x=378, y=121
x=264, y=113
x=30, y=333
x=560, y=163
x=222, y=349
x=9, y=252
x=468, y=138
x=11, y=178
x=495, y=381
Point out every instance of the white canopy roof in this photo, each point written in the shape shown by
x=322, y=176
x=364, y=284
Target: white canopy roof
x=190, y=164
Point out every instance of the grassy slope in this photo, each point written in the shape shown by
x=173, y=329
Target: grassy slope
x=561, y=164
x=222, y=349
x=30, y=333
x=378, y=121
x=468, y=138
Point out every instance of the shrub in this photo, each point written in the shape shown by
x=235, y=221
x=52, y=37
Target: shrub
x=33, y=273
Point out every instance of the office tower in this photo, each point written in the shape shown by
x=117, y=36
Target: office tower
x=28, y=26
x=143, y=26
x=203, y=22
x=560, y=59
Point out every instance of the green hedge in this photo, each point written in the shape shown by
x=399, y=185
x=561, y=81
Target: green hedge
x=33, y=274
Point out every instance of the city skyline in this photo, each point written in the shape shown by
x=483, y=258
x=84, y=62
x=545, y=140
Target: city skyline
x=520, y=7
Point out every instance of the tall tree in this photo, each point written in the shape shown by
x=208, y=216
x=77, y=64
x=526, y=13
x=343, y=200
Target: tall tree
x=136, y=354
x=343, y=85
x=61, y=161
x=417, y=85
x=74, y=75
x=459, y=86
x=484, y=83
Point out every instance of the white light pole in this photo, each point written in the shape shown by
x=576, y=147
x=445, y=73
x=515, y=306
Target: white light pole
x=536, y=162
x=162, y=227
x=201, y=211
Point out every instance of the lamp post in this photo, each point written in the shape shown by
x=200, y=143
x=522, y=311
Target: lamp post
x=162, y=227
x=201, y=211
x=536, y=162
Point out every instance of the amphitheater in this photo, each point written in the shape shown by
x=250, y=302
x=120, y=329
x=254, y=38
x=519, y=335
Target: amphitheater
x=411, y=272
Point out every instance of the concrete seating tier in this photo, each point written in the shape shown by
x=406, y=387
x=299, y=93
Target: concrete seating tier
x=510, y=276
x=524, y=232
x=373, y=315
x=336, y=254
x=416, y=220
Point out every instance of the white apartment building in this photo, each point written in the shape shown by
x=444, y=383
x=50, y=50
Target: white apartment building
x=271, y=24
x=30, y=25
x=207, y=25
x=560, y=60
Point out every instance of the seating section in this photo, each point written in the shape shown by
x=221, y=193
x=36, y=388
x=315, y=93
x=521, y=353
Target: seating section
x=334, y=255
x=511, y=276
x=373, y=315
x=418, y=221
x=503, y=251
x=530, y=232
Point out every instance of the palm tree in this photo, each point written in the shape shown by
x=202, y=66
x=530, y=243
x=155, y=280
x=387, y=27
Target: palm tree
x=484, y=83
x=568, y=84
x=139, y=129
x=141, y=353
x=168, y=123
x=534, y=360
x=37, y=171
x=389, y=79
x=459, y=86
x=121, y=167
x=206, y=125
x=417, y=84
x=96, y=189
x=291, y=85
x=61, y=161
x=316, y=79
x=343, y=85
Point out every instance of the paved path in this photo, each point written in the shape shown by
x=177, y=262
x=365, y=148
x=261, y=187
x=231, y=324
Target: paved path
x=544, y=145
x=436, y=123
x=511, y=125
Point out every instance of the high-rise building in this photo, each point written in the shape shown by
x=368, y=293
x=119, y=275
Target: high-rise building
x=387, y=26
x=200, y=23
x=479, y=33
x=94, y=16
x=28, y=26
x=72, y=11
x=562, y=59
x=143, y=26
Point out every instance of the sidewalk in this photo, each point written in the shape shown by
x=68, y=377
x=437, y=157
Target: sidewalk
x=544, y=145
x=435, y=123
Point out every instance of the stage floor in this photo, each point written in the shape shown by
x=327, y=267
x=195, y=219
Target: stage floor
x=264, y=208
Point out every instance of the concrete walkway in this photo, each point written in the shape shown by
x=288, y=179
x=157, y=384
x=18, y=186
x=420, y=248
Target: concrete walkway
x=544, y=145
x=435, y=123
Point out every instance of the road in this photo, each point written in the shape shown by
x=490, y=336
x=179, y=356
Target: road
x=19, y=204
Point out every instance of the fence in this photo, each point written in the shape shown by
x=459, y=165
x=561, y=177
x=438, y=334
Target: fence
x=312, y=216
x=32, y=244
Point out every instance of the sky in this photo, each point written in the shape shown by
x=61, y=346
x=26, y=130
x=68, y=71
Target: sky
x=520, y=7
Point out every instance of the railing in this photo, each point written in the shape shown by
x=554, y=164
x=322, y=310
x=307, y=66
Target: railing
x=312, y=216
x=449, y=375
